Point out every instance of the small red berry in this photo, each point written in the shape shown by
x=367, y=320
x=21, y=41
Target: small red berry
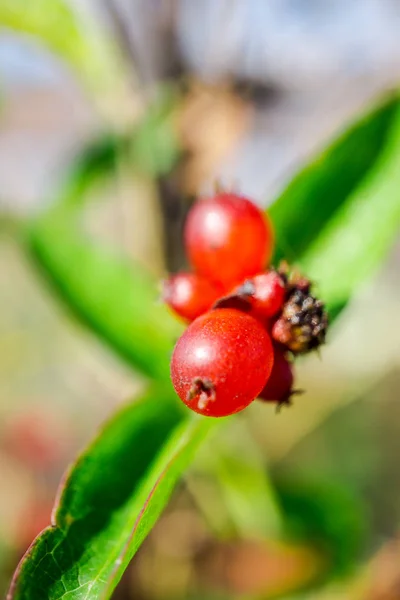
x=279, y=385
x=266, y=292
x=221, y=362
x=228, y=238
x=189, y=295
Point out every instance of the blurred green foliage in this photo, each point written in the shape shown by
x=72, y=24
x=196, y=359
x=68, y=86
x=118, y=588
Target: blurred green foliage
x=117, y=300
x=341, y=215
x=59, y=27
x=326, y=515
x=150, y=149
x=319, y=191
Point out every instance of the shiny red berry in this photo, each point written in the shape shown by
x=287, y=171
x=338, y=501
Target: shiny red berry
x=228, y=238
x=189, y=295
x=279, y=385
x=266, y=293
x=221, y=362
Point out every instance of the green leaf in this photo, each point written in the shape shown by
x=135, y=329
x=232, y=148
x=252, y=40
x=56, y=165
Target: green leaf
x=340, y=216
x=59, y=27
x=151, y=148
x=114, y=297
x=109, y=502
x=236, y=466
x=97, y=162
x=360, y=234
x=155, y=147
x=315, y=195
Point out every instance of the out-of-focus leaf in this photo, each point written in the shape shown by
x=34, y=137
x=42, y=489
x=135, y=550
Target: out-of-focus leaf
x=96, y=162
x=235, y=467
x=109, y=502
x=151, y=149
x=313, y=197
x=59, y=27
x=362, y=231
x=247, y=494
x=341, y=215
x=115, y=298
x=326, y=516
x=356, y=449
x=155, y=146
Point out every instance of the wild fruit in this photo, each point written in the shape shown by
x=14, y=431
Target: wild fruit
x=279, y=387
x=228, y=239
x=189, y=295
x=221, y=362
x=266, y=293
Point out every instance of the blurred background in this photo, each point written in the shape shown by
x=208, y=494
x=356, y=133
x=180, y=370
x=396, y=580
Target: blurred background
x=240, y=92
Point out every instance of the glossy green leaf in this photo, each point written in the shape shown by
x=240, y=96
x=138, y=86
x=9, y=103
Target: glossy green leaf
x=60, y=28
x=109, y=502
x=114, y=297
x=315, y=195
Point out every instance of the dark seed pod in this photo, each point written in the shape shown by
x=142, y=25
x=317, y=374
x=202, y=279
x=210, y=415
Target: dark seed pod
x=293, y=279
x=302, y=324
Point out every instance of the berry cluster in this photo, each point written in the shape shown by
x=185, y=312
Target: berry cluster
x=247, y=320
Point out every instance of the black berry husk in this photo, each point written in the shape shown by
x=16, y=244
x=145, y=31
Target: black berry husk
x=303, y=323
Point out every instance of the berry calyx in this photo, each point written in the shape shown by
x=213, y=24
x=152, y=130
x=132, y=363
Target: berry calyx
x=221, y=362
x=302, y=324
x=228, y=238
x=189, y=295
x=266, y=293
x=279, y=387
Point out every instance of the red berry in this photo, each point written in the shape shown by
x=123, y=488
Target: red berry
x=266, y=293
x=189, y=294
x=221, y=362
x=228, y=238
x=279, y=385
